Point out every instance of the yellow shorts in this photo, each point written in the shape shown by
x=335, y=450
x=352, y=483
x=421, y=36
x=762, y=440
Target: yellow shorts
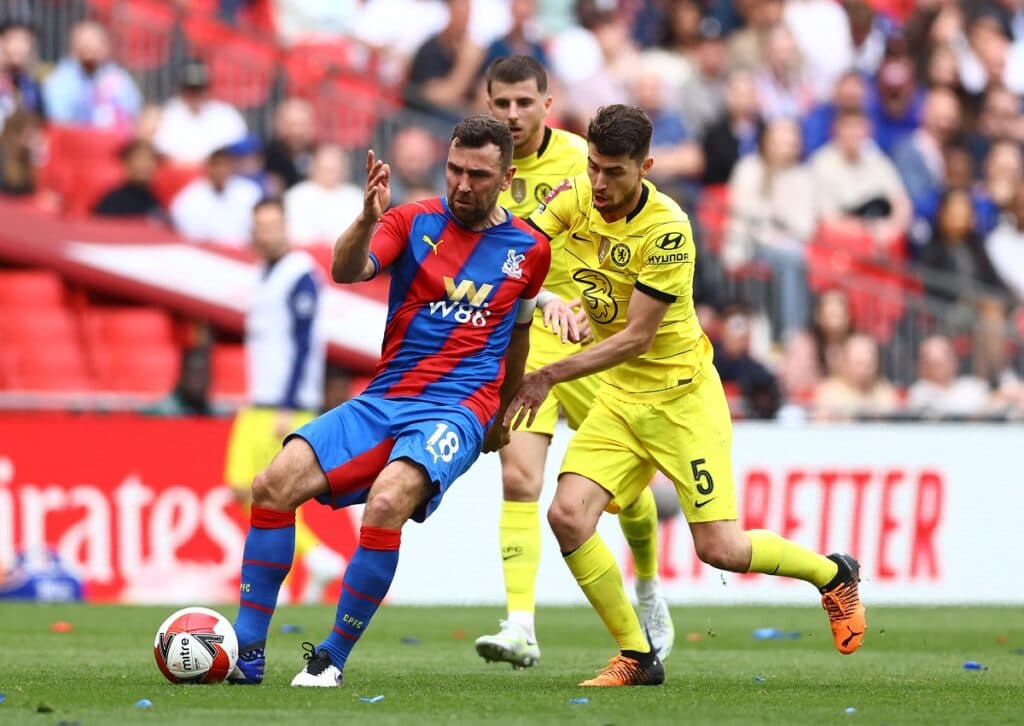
x=622, y=443
x=575, y=398
x=253, y=443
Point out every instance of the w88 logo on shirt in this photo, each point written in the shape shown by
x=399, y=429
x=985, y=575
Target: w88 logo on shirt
x=466, y=302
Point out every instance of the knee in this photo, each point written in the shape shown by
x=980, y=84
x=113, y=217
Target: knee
x=569, y=524
x=520, y=484
x=723, y=554
x=385, y=508
x=271, y=491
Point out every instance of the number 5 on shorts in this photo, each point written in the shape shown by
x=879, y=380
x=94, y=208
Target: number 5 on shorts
x=702, y=477
x=444, y=446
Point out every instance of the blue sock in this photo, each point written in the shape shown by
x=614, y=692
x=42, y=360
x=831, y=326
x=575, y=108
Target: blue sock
x=367, y=579
x=269, y=550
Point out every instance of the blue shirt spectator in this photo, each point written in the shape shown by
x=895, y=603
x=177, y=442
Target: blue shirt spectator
x=88, y=88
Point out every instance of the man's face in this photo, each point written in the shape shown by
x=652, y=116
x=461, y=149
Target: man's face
x=219, y=169
x=17, y=47
x=141, y=164
x=269, y=238
x=615, y=181
x=474, y=179
x=851, y=133
x=521, y=107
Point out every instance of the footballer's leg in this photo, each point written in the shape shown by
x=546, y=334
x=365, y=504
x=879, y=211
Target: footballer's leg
x=699, y=461
x=573, y=516
x=399, y=489
x=293, y=477
x=639, y=524
x=522, y=470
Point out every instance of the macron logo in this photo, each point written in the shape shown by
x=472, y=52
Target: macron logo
x=511, y=264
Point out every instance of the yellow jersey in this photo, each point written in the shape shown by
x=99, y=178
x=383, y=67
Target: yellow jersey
x=561, y=155
x=652, y=250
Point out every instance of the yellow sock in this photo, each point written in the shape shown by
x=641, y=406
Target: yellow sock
x=519, y=535
x=775, y=555
x=639, y=524
x=598, y=575
x=305, y=540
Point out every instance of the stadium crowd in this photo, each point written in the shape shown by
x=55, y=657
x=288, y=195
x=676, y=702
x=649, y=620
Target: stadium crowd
x=853, y=168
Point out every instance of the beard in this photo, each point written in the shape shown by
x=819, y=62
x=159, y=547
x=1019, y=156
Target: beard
x=472, y=215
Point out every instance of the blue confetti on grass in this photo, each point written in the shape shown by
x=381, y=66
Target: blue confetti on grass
x=375, y=699
x=2, y=698
x=289, y=628
x=579, y=700
x=850, y=709
x=973, y=665
x=411, y=640
x=759, y=679
x=143, y=703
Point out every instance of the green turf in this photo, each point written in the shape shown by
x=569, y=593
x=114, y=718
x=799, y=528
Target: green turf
x=910, y=670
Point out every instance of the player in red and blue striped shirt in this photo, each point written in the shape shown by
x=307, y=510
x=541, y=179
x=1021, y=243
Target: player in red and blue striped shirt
x=464, y=277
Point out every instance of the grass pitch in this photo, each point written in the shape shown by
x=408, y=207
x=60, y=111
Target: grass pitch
x=910, y=670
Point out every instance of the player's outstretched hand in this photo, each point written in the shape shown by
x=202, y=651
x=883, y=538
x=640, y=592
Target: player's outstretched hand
x=562, y=319
x=582, y=320
x=377, y=195
x=497, y=437
x=527, y=401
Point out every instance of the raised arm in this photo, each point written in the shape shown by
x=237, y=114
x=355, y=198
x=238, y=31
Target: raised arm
x=351, y=260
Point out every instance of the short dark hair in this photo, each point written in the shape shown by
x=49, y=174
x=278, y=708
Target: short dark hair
x=129, y=148
x=516, y=68
x=619, y=129
x=268, y=202
x=477, y=131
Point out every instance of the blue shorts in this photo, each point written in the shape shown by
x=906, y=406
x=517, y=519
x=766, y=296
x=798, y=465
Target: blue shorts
x=356, y=440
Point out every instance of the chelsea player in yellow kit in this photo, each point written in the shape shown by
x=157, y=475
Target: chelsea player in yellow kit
x=544, y=158
x=661, y=404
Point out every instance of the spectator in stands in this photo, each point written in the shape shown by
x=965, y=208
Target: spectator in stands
x=87, y=87
x=673, y=50
x=193, y=125
x=523, y=38
x=959, y=266
x=251, y=165
x=895, y=105
x=737, y=366
x=443, y=70
x=1005, y=247
x=999, y=120
x=217, y=207
x=21, y=144
x=919, y=158
x=1001, y=174
x=867, y=33
x=941, y=70
x=324, y=20
x=680, y=157
x=702, y=95
x=765, y=224
x=831, y=327
x=799, y=376
x=736, y=132
x=859, y=390
x=783, y=88
x=747, y=45
x=19, y=87
x=320, y=208
x=190, y=396
x=858, y=189
x=290, y=152
x=415, y=165
x=134, y=198
x=850, y=94
x=939, y=392
x=821, y=31
x=985, y=55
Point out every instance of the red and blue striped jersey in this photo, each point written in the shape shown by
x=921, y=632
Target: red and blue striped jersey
x=452, y=303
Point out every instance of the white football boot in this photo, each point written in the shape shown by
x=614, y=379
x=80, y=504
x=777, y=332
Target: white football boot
x=510, y=645
x=319, y=672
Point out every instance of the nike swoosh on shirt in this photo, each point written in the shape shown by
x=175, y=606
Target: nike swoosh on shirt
x=701, y=504
x=580, y=239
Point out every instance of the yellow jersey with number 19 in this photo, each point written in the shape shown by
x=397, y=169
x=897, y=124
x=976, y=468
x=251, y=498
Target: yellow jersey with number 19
x=651, y=250
x=561, y=155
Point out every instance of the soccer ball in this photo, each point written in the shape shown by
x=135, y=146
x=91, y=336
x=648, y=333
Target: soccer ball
x=196, y=645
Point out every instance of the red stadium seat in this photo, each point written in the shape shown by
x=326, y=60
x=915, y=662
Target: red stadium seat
x=48, y=368
x=347, y=109
x=229, y=377
x=31, y=289
x=141, y=31
x=151, y=369
x=82, y=164
x=712, y=214
x=242, y=70
x=171, y=179
x=136, y=326
x=37, y=327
